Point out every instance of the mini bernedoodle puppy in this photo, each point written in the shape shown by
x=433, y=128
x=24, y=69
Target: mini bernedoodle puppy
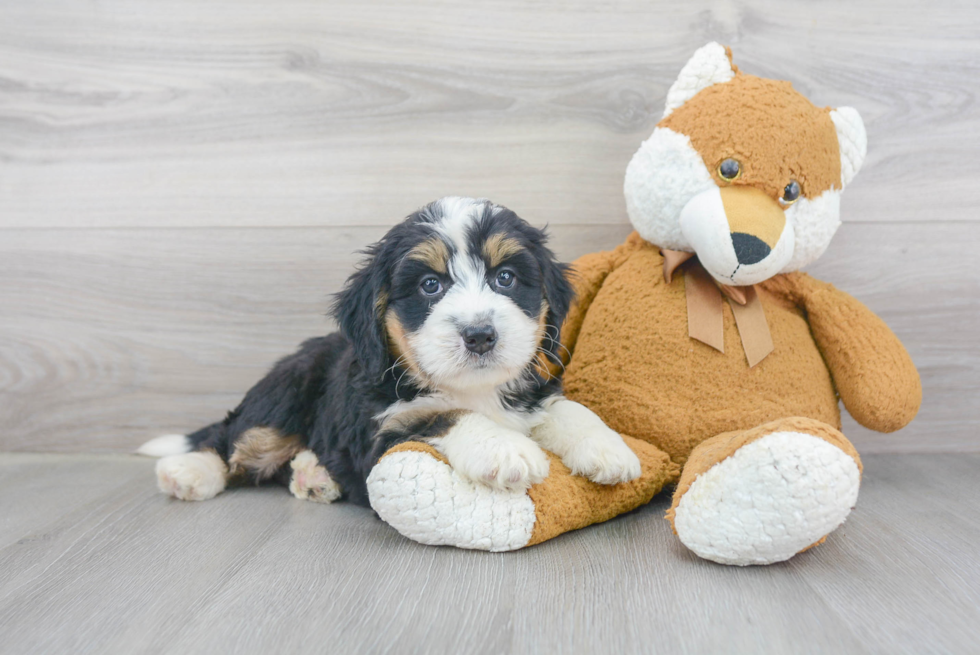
x=443, y=334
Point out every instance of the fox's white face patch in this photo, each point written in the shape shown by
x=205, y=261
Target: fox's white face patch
x=672, y=201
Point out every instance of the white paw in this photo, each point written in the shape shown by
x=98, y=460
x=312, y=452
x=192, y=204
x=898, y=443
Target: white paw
x=768, y=501
x=585, y=444
x=486, y=452
x=310, y=480
x=604, y=458
x=192, y=476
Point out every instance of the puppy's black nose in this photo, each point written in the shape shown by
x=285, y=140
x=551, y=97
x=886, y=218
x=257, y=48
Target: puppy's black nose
x=749, y=249
x=479, y=339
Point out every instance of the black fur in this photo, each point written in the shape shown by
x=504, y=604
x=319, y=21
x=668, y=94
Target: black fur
x=330, y=390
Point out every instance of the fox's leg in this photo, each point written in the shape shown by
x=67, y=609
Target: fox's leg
x=415, y=490
x=762, y=495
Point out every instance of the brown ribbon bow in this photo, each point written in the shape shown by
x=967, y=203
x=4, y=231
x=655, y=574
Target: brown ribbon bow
x=705, y=321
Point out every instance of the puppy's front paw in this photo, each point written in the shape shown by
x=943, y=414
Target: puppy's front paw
x=486, y=452
x=604, y=458
x=512, y=466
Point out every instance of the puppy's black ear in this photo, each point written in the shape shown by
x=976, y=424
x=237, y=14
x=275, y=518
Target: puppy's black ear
x=559, y=294
x=359, y=310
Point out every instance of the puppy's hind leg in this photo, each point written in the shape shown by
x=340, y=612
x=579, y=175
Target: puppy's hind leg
x=192, y=476
x=187, y=470
x=310, y=479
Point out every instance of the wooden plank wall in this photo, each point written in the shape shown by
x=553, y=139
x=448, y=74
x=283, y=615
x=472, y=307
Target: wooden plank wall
x=183, y=184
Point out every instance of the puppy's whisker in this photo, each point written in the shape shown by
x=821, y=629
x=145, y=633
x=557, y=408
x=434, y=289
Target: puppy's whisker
x=553, y=357
x=391, y=369
x=554, y=340
x=398, y=382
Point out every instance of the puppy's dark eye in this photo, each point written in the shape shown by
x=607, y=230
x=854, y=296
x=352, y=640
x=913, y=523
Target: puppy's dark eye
x=791, y=193
x=505, y=279
x=729, y=169
x=431, y=286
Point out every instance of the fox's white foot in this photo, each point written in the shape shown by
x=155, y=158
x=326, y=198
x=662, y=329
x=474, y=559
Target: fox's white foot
x=768, y=500
x=426, y=501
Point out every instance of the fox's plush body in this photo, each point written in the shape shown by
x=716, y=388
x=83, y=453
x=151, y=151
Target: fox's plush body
x=699, y=341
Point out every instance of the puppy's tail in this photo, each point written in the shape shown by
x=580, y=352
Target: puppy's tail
x=168, y=444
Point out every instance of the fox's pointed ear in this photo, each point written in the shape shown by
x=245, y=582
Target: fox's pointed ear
x=852, y=139
x=711, y=64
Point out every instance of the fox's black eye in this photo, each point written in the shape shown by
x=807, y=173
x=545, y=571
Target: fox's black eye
x=505, y=279
x=729, y=169
x=431, y=286
x=791, y=193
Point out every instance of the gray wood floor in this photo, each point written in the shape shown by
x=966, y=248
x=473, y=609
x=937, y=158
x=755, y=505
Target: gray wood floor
x=184, y=184
x=94, y=560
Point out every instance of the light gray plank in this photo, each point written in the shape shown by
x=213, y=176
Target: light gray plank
x=113, y=336
x=52, y=486
x=255, y=570
x=131, y=113
x=926, y=504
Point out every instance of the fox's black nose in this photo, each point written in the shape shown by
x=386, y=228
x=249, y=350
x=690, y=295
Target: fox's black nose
x=749, y=249
x=479, y=339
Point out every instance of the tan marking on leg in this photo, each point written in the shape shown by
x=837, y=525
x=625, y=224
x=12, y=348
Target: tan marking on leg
x=498, y=247
x=311, y=480
x=432, y=252
x=262, y=452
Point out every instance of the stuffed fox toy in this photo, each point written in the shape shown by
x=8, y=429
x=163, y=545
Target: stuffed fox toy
x=700, y=343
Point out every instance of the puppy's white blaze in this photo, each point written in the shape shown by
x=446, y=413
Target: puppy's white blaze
x=482, y=450
x=163, y=446
x=192, y=476
x=585, y=444
x=458, y=214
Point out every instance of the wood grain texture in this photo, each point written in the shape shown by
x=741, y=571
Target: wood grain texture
x=183, y=185
x=241, y=112
x=114, y=336
x=255, y=571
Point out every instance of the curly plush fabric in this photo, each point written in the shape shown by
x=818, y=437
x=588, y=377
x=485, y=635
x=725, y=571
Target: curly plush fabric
x=415, y=490
x=762, y=495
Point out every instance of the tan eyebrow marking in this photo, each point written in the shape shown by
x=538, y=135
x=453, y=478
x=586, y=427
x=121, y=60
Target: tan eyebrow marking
x=499, y=247
x=432, y=252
